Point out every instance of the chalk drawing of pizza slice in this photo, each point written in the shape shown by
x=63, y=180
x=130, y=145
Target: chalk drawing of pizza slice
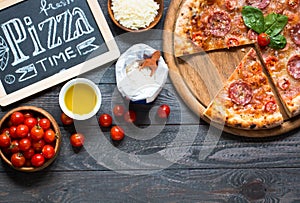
x=4, y=54
x=27, y=72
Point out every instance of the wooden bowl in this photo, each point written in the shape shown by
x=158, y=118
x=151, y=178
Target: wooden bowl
x=151, y=25
x=37, y=112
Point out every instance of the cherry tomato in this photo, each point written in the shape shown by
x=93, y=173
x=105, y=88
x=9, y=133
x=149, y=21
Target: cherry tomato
x=77, y=140
x=48, y=151
x=13, y=131
x=28, y=114
x=37, y=133
x=14, y=146
x=105, y=120
x=66, y=120
x=130, y=116
x=4, y=140
x=116, y=133
x=24, y=144
x=44, y=123
x=163, y=111
x=17, y=160
x=16, y=118
x=29, y=153
x=22, y=130
x=38, y=145
x=37, y=160
x=263, y=39
x=118, y=110
x=49, y=136
x=30, y=122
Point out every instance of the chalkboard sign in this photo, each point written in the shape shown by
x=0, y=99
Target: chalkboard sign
x=46, y=42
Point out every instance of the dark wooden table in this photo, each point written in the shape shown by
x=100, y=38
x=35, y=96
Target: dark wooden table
x=177, y=163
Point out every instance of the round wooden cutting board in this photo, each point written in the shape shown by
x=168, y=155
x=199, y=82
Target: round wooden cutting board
x=197, y=78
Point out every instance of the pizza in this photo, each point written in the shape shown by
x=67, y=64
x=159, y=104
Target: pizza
x=284, y=65
x=206, y=25
x=246, y=101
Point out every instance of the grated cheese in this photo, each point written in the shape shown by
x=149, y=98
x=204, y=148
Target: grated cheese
x=134, y=14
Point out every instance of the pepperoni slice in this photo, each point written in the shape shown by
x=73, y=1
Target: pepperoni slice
x=283, y=83
x=230, y=4
x=261, y=4
x=232, y=42
x=293, y=3
x=270, y=107
x=240, y=93
x=293, y=66
x=219, y=23
x=295, y=34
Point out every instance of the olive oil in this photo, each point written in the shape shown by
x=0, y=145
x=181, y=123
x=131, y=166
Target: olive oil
x=80, y=99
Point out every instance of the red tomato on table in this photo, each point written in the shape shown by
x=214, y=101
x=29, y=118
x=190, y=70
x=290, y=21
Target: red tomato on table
x=66, y=120
x=130, y=116
x=105, y=120
x=118, y=110
x=117, y=133
x=77, y=140
x=163, y=111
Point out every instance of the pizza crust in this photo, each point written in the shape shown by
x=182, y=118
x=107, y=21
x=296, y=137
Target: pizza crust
x=248, y=110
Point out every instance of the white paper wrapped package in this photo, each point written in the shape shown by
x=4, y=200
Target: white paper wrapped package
x=135, y=84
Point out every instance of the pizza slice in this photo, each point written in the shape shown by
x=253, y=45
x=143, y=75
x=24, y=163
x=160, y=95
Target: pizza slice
x=246, y=101
x=283, y=67
x=210, y=25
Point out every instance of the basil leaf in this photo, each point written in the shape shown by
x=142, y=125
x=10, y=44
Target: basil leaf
x=274, y=23
x=277, y=42
x=253, y=18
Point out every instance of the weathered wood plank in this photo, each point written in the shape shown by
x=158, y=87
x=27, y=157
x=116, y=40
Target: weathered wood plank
x=180, y=147
x=227, y=185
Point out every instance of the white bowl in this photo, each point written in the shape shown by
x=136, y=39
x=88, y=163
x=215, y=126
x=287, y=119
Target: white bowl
x=67, y=111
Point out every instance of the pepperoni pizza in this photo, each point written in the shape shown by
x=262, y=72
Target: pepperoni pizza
x=284, y=65
x=205, y=25
x=246, y=100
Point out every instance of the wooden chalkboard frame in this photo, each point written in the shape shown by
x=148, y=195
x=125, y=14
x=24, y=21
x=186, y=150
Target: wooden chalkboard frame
x=109, y=56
